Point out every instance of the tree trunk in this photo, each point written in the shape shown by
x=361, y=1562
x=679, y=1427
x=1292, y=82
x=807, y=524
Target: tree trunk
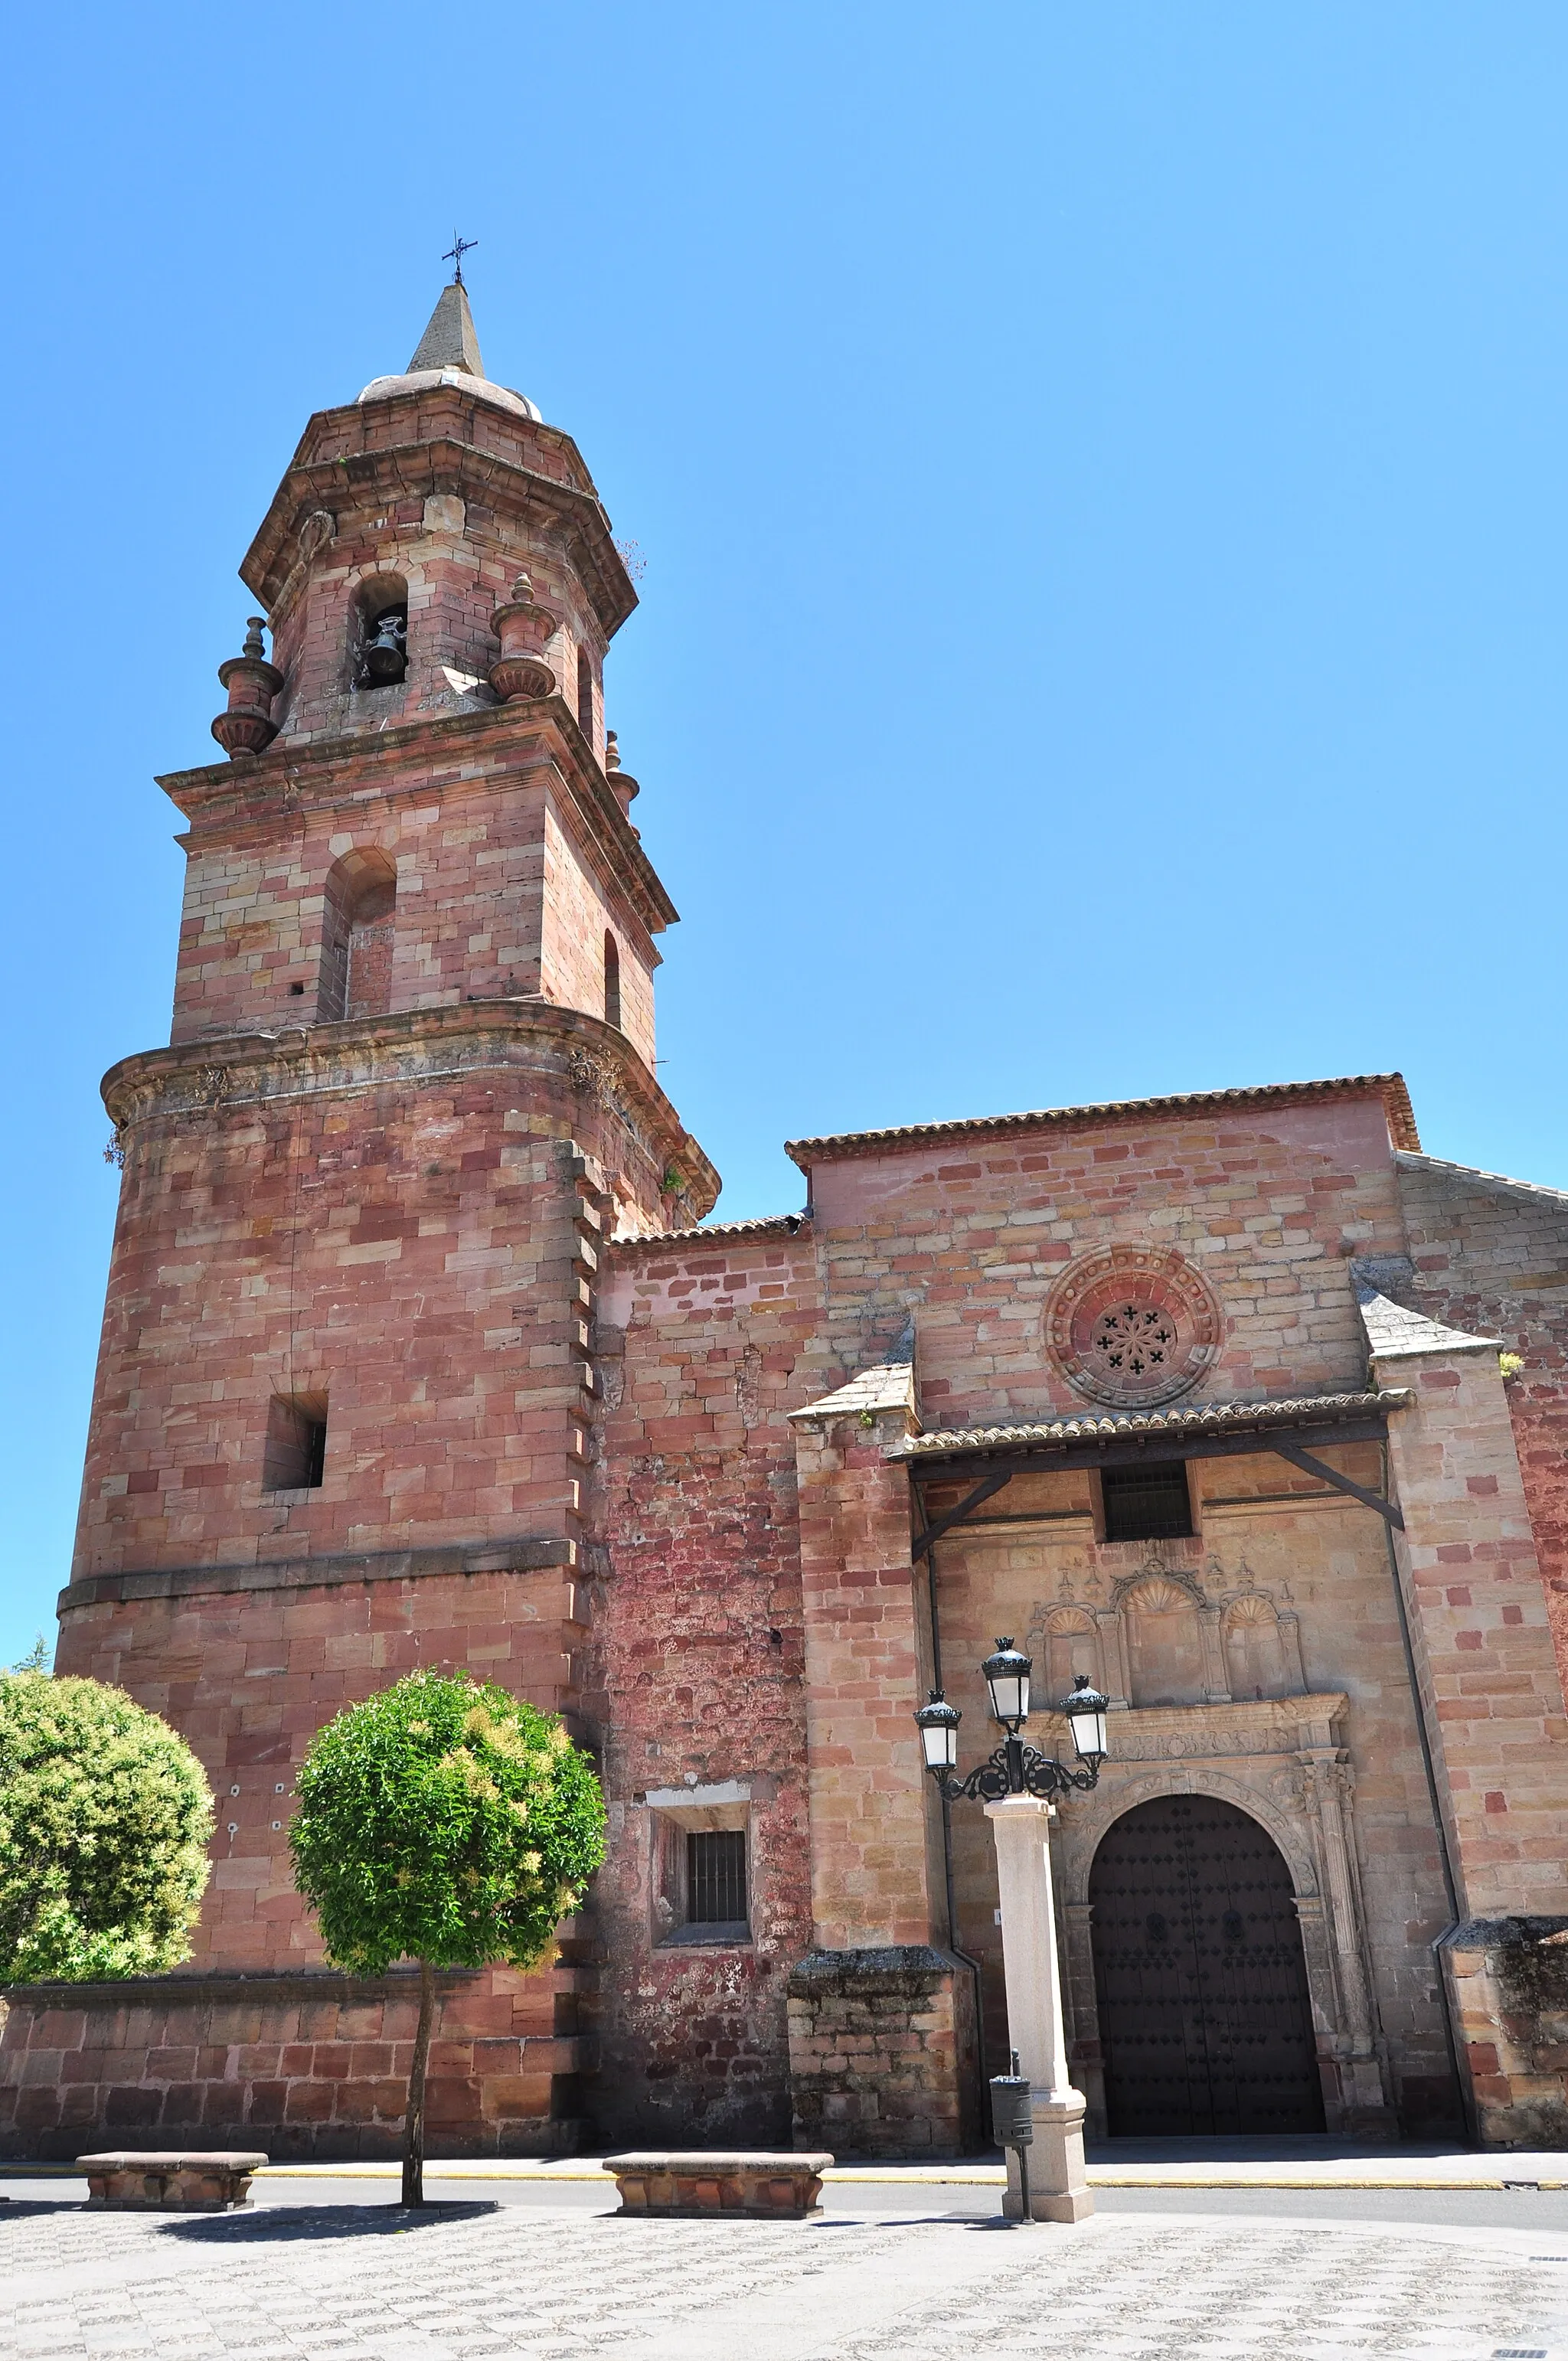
x=414, y=2120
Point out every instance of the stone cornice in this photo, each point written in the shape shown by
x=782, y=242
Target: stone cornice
x=383, y=474
x=1168, y=1733
x=522, y=1036
x=518, y=1555
x=526, y=736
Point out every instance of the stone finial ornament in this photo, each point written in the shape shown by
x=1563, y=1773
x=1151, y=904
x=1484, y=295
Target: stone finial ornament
x=523, y=628
x=623, y=783
x=246, y=726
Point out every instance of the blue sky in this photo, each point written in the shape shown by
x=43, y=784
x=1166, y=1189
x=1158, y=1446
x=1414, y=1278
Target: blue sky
x=1102, y=482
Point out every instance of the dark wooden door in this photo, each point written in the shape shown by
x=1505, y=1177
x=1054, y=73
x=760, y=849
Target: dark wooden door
x=1204, y=2020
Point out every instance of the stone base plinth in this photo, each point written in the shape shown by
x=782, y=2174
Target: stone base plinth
x=1507, y=1985
x=882, y=2053
x=1058, y=2185
x=784, y=2186
x=214, y=2180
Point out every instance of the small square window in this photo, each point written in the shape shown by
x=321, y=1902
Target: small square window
x=1146, y=1504
x=294, y=1459
x=700, y=1872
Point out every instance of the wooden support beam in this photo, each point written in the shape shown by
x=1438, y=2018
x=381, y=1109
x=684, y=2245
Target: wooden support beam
x=1312, y=1465
x=965, y=1509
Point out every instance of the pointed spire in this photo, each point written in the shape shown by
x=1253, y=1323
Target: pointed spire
x=450, y=342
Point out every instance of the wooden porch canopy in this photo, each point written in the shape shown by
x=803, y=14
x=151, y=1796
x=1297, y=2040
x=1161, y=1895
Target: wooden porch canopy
x=1293, y=1430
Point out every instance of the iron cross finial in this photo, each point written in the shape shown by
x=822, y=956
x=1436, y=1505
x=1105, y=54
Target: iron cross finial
x=459, y=247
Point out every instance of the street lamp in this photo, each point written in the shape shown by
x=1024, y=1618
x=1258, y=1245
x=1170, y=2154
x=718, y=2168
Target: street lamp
x=1039, y=2106
x=1015, y=1769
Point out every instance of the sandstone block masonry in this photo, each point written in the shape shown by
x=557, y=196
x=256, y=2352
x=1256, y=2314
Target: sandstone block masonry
x=416, y=1352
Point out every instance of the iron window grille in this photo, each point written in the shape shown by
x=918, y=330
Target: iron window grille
x=716, y=1878
x=1146, y=1504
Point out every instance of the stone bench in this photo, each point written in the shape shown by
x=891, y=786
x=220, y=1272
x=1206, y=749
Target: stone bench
x=195, y=2180
x=782, y=2186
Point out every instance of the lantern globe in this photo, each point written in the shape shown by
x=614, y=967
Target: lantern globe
x=1007, y=1678
x=939, y=1725
x=1086, y=1709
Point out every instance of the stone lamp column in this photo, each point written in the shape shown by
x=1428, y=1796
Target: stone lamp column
x=1059, y=2189
x=248, y=727
x=523, y=628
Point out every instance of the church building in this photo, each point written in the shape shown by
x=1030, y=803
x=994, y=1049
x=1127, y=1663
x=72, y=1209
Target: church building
x=417, y=1353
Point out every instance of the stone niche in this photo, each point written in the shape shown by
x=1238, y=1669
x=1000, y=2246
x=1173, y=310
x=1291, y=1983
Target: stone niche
x=1507, y=1986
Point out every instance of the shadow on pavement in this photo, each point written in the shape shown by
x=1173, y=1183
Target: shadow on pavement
x=280, y=2224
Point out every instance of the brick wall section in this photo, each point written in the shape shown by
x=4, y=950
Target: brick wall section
x=404, y=1244
x=875, y=1873
x=306, y=2066
x=249, y=1675
x=512, y=854
x=882, y=2053
x=1482, y=1647
x=696, y=1654
x=1269, y=1204
x=1491, y=1256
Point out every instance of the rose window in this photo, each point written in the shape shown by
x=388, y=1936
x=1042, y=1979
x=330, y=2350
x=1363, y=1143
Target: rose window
x=1135, y=1341
x=1132, y=1328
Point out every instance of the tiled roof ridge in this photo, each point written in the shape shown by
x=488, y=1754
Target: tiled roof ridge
x=770, y=1225
x=1389, y=1087
x=1109, y=1425
x=1417, y=1159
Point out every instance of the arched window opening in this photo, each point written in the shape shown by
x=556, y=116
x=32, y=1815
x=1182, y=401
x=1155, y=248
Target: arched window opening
x=357, y=931
x=379, y=633
x=586, y=694
x=611, y=981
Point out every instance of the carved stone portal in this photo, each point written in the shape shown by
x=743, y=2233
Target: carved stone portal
x=1281, y=1760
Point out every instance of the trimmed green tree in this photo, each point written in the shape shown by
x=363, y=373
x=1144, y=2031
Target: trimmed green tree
x=448, y=1822
x=105, y=1816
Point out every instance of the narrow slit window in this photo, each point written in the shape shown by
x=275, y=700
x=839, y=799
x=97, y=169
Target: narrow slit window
x=295, y=1454
x=716, y=1878
x=586, y=694
x=611, y=983
x=1146, y=1504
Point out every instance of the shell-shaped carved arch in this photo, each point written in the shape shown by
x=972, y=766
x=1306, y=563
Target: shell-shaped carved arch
x=1257, y=1660
x=1069, y=1643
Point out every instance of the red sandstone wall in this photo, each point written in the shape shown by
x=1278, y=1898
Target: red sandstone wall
x=439, y=526
x=496, y=896
x=1269, y=1204
x=698, y=1653
x=405, y=1253
x=249, y=1675
x=1491, y=1256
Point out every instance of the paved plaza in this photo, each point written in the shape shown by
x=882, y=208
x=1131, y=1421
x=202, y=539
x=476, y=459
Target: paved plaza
x=366, y=2282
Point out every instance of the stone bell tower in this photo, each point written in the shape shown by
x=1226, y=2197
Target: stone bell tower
x=346, y=1394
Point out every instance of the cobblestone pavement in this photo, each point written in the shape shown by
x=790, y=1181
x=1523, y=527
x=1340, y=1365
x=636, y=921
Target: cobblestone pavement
x=459, y=2282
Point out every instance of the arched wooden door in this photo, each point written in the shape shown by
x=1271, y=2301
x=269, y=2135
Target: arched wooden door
x=1206, y=2024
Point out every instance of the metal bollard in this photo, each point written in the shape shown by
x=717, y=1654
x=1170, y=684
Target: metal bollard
x=1012, y=2122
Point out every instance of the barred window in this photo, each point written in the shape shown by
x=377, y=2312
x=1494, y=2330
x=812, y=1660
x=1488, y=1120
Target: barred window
x=1146, y=1504
x=716, y=1878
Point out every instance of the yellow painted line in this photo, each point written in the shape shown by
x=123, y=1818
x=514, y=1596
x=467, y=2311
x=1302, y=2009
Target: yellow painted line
x=985, y=2176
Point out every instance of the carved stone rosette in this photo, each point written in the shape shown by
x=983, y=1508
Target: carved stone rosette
x=1132, y=1328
